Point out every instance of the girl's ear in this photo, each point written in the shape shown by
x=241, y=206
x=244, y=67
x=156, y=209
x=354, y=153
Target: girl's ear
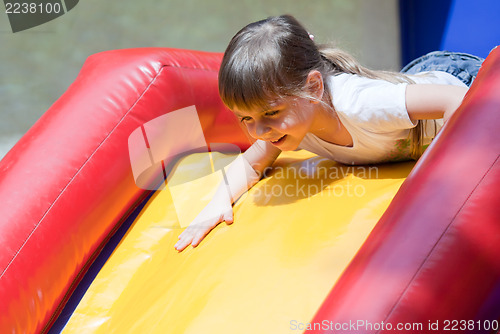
x=314, y=86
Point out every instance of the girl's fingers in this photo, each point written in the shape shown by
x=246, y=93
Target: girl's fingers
x=201, y=233
x=193, y=235
x=184, y=239
x=198, y=230
x=228, y=217
x=180, y=246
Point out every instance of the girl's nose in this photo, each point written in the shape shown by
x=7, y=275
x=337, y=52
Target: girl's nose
x=261, y=130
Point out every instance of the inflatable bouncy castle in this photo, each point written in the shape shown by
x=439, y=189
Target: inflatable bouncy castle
x=96, y=193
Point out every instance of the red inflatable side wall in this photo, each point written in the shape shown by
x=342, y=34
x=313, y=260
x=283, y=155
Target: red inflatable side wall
x=67, y=184
x=433, y=259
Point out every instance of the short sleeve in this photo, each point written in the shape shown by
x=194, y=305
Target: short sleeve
x=374, y=105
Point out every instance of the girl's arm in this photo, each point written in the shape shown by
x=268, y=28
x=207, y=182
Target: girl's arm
x=246, y=170
x=243, y=173
x=433, y=101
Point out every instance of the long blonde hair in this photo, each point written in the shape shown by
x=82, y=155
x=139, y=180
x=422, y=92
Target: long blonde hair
x=343, y=62
x=272, y=58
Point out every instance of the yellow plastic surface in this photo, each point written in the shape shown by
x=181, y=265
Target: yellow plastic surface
x=293, y=235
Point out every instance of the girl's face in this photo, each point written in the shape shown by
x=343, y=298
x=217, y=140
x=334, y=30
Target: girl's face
x=284, y=125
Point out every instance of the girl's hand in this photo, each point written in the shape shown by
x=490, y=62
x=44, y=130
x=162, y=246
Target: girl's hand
x=243, y=173
x=215, y=212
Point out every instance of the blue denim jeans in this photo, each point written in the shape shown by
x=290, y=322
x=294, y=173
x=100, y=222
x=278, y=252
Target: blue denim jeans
x=462, y=65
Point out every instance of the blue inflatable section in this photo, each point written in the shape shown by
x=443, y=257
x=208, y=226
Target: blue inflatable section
x=453, y=25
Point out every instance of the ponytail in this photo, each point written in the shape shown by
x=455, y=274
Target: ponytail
x=340, y=61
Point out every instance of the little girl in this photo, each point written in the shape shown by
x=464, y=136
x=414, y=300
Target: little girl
x=293, y=94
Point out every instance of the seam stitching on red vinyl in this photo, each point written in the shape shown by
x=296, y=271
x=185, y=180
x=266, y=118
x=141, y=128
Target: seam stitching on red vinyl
x=81, y=167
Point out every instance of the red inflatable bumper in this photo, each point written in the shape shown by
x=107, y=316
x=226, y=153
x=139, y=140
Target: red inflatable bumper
x=67, y=184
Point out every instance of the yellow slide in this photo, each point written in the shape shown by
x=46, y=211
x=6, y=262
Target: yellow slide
x=293, y=235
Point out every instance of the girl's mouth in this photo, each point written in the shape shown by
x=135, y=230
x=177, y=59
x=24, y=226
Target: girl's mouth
x=278, y=141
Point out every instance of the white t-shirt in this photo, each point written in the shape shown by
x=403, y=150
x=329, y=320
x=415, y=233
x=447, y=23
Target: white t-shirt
x=374, y=112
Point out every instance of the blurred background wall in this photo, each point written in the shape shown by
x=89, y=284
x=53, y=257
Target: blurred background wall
x=37, y=65
x=455, y=25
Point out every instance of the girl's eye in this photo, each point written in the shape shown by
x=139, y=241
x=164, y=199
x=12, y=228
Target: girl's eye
x=271, y=113
x=245, y=119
